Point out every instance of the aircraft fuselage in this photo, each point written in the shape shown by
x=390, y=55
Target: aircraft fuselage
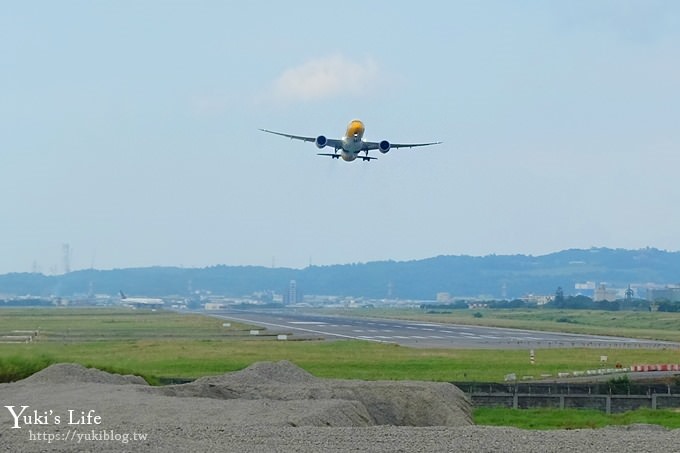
x=352, y=141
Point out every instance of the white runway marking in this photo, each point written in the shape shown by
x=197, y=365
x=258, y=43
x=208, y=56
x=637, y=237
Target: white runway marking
x=319, y=332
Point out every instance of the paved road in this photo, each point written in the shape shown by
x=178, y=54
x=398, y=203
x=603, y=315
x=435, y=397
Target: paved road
x=420, y=334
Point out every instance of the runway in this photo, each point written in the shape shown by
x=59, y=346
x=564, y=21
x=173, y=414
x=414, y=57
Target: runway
x=299, y=324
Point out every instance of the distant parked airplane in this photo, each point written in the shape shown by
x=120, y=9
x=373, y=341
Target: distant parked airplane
x=349, y=146
x=141, y=302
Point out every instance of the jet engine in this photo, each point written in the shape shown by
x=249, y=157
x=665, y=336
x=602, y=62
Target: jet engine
x=321, y=141
x=383, y=146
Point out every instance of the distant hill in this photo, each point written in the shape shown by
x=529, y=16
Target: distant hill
x=491, y=275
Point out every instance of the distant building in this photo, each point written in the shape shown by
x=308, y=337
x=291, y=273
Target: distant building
x=586, y=288
x=602, y=294
x=537, y=299
x=669, y=293
x=293, y=295
x=443, y=297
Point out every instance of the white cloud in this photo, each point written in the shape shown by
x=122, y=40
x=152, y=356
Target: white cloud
x=326, y=78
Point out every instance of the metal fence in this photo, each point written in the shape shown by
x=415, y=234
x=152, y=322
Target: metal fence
x=606, y=396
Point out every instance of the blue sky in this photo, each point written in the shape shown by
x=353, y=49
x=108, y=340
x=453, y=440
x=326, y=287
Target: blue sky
x=129, y=130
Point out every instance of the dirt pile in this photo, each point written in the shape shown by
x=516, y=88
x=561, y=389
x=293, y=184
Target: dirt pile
x=283, y=394
x=67, y=373
x=335, y=402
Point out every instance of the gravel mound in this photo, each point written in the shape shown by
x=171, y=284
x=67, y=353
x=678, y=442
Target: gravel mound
x=282, y=372
x=347, y=419
x=63, y=373
x=398, y=403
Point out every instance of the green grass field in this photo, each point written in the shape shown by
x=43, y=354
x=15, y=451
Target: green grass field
x=161, y=345
x=544, y=419
x=94, y=324
x=164, y=344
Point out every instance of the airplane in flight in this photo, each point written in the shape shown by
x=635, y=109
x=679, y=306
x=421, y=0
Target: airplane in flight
x=352, y=144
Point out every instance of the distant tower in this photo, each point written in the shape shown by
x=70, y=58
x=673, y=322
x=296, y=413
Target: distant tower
x=292, y=292
x=66, y=257
x=390, y=290
x=559, y=297
x=629, y=294
x=504, y=291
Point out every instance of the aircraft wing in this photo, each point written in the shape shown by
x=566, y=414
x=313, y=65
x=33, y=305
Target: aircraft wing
x=332, y=142
x=292, y=137
x=376, y=145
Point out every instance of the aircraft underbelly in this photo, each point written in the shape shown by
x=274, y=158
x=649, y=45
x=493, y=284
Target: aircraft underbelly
x=352, y=146
x=348, y=156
